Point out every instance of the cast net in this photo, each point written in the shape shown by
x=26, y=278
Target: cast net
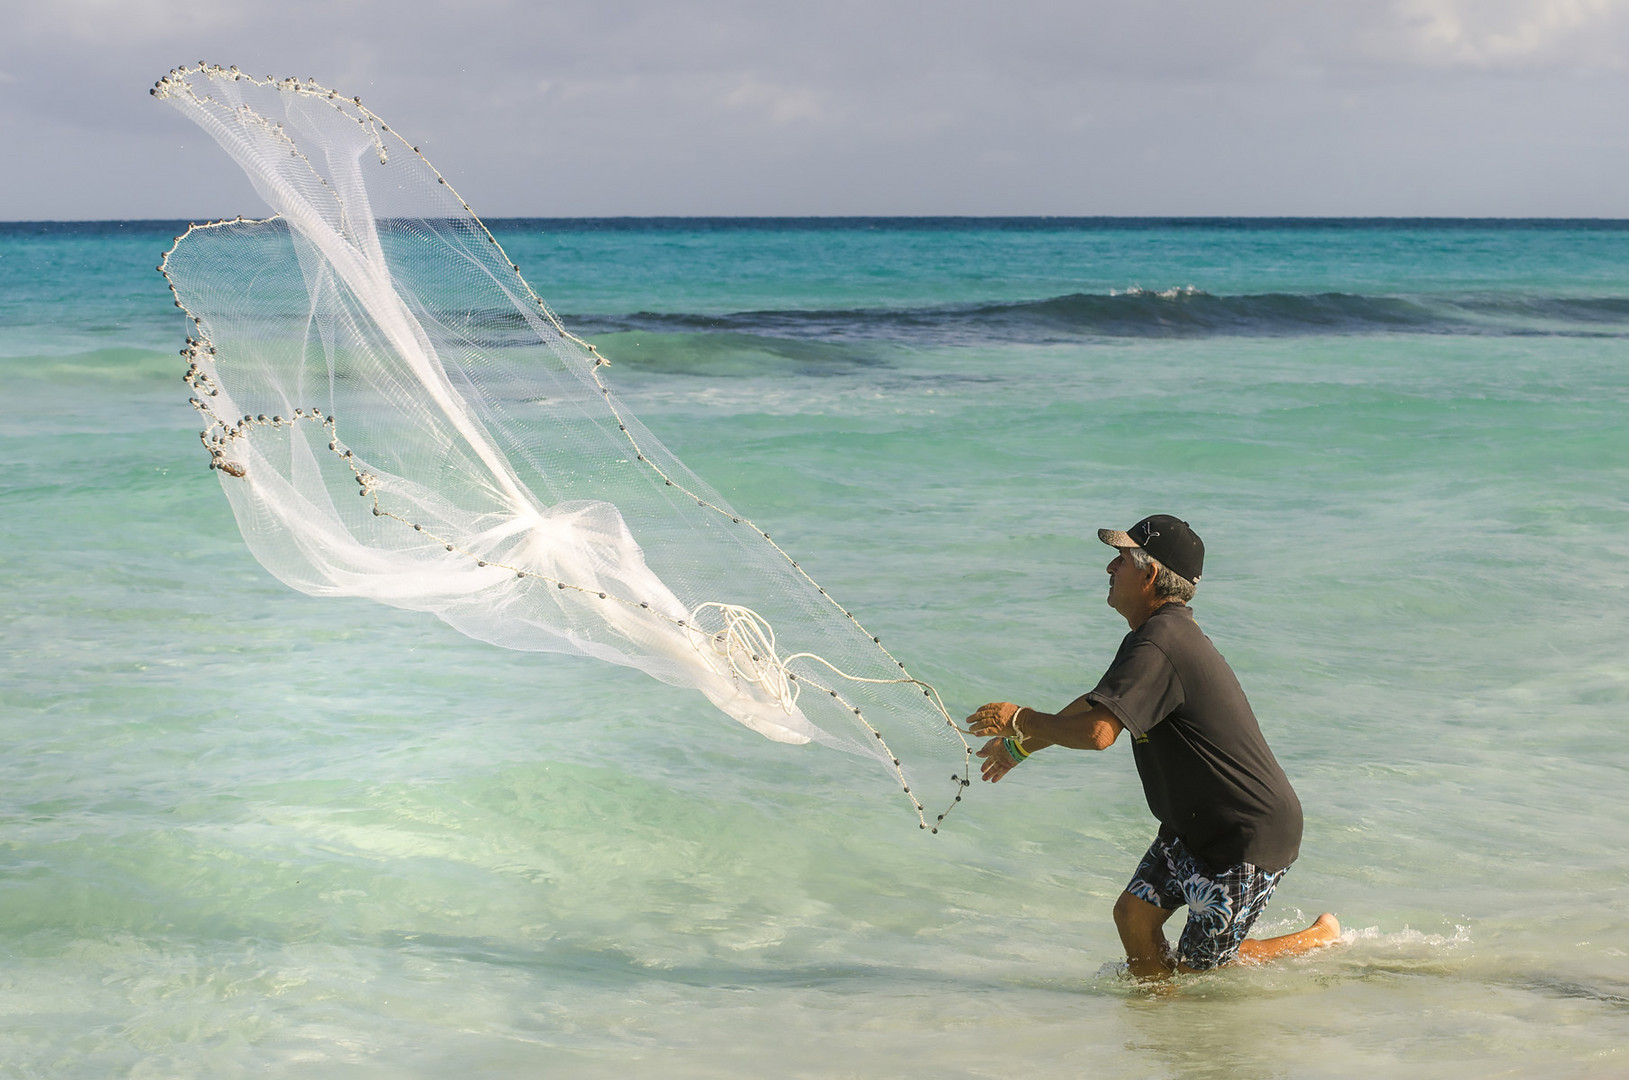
x=395, y=414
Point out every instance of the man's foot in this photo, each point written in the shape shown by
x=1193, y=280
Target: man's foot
x=1329, y=926
x=1325, y=930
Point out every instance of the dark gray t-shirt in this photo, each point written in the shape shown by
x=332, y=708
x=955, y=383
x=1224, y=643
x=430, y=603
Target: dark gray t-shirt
x=1206, y=769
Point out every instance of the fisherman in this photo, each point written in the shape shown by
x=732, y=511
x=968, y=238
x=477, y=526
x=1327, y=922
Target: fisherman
x=1230, y=824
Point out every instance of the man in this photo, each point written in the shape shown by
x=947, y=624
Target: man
x=1230, y=824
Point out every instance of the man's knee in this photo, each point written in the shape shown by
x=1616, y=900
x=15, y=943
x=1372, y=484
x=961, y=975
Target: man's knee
x=1122, y=909
x=1134, y=913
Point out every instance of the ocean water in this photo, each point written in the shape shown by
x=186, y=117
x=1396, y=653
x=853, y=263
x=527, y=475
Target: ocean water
x=251, y=832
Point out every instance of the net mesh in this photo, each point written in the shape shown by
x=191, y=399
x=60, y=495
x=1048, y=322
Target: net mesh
x=395, y=414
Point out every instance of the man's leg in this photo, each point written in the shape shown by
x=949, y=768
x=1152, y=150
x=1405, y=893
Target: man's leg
x=1142, y=932
x=1325, y=931
x=1221, y=909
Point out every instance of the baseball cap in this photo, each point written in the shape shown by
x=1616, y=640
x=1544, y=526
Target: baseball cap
x=1168, y=539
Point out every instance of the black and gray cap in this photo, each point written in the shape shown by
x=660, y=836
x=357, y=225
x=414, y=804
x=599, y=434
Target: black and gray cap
x=1169, y=540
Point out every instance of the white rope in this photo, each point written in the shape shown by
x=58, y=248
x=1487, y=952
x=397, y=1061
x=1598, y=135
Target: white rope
x=746, y=644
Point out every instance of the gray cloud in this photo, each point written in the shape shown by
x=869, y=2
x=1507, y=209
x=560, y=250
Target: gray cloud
x=1498, y=107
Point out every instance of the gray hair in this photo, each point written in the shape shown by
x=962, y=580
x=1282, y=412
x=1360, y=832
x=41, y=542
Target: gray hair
x=1166, y=583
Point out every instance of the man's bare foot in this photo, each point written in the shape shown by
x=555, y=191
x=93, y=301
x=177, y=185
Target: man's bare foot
x=1325, y=930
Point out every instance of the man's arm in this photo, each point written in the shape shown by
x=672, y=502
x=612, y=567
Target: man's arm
x=1080, y=725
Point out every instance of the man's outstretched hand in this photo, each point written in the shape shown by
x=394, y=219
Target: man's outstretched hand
x=997, y=762
x=993, y=719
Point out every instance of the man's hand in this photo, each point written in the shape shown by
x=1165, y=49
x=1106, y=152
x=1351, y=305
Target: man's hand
x=993, y=719
x=997, y=762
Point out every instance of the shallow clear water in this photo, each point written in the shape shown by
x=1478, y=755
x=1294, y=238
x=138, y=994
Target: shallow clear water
x=250, y=831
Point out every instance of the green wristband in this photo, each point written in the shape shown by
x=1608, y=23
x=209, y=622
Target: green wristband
x=1015, y=749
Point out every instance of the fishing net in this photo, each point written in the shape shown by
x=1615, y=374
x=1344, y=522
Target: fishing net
x=395, y=414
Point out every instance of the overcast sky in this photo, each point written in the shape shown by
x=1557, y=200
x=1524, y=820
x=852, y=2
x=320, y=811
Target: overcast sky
x=591, y=107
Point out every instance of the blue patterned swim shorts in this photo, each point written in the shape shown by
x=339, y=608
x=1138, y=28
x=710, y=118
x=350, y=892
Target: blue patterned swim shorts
x=1221, y=907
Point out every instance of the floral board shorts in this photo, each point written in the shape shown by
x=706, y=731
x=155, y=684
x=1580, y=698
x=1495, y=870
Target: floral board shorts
x=1221, y=907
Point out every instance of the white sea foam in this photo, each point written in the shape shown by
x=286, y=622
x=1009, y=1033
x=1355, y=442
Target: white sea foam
x=1176, y=292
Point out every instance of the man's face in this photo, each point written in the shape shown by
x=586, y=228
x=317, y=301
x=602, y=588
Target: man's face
x=1125, y=583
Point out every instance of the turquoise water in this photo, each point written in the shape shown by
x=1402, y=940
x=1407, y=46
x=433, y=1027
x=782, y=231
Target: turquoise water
x=247, y=831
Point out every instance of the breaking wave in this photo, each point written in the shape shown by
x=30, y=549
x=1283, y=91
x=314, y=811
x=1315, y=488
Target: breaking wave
x=1184, y=312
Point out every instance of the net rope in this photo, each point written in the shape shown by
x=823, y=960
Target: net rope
x=373, y=339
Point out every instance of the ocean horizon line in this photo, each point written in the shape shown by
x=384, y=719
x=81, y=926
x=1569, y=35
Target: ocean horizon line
x=909, y=222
